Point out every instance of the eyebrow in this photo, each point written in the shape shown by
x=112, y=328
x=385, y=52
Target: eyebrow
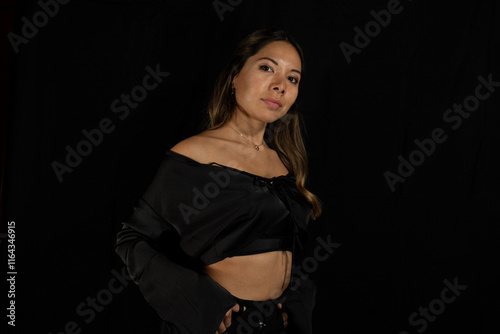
x=276, y=63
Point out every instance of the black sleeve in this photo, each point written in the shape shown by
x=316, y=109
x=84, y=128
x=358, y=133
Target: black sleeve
x=187, y=299
x=299, y=302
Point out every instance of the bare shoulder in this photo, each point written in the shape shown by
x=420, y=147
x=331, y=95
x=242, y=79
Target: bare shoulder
x=212, y=146
x=198, y=147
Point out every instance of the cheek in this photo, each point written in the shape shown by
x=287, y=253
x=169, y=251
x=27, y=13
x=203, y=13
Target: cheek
x=246, y=95
x=249, y=90
x=292, y=97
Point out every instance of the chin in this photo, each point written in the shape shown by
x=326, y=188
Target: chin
x=270, y=119
x=268, y=115
x=273, y=115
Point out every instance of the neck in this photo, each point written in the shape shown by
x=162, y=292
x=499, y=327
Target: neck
x=250, y=128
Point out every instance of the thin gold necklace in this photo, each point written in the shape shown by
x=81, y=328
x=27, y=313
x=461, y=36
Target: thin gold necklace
x=255, y=146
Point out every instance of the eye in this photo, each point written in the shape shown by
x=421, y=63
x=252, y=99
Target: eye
x=294, y=80
x=266, y=68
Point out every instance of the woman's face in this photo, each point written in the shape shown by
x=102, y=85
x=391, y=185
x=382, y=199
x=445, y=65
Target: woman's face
x=268, y=84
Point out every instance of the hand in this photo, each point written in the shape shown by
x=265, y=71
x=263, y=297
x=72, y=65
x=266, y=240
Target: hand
x=226, y=322
x=285, y=315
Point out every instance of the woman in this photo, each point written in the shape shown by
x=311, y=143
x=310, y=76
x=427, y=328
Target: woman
x=211, y=242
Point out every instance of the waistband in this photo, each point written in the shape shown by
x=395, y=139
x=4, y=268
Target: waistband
x=260, y=316
x=274, y=301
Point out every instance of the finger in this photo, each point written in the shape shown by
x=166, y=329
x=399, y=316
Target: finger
x=227, y=319
x=280, y=306
x=285, y=318
x=236, y=308
x=222, y=328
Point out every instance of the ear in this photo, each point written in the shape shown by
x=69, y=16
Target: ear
x=234, y=81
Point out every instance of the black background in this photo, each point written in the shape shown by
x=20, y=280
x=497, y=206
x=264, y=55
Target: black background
x=396, y=248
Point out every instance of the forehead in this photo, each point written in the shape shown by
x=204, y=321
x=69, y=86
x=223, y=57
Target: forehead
x=282, y=52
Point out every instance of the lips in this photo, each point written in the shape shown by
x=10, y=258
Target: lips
x=272, y=102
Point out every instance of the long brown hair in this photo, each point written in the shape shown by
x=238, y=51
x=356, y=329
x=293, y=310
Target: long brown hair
x=284, y=135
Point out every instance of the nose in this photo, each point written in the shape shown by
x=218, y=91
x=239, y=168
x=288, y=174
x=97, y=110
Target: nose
x=279, y=86
x=282, y=91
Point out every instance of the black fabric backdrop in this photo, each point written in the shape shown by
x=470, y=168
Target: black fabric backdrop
x=395, y=252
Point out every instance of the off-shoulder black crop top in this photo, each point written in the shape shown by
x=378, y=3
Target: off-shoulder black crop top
x=280, y=237
x=218, y=210
x=195, y=214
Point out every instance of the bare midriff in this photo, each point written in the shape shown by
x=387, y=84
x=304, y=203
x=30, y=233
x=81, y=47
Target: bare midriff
x=253, y=277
